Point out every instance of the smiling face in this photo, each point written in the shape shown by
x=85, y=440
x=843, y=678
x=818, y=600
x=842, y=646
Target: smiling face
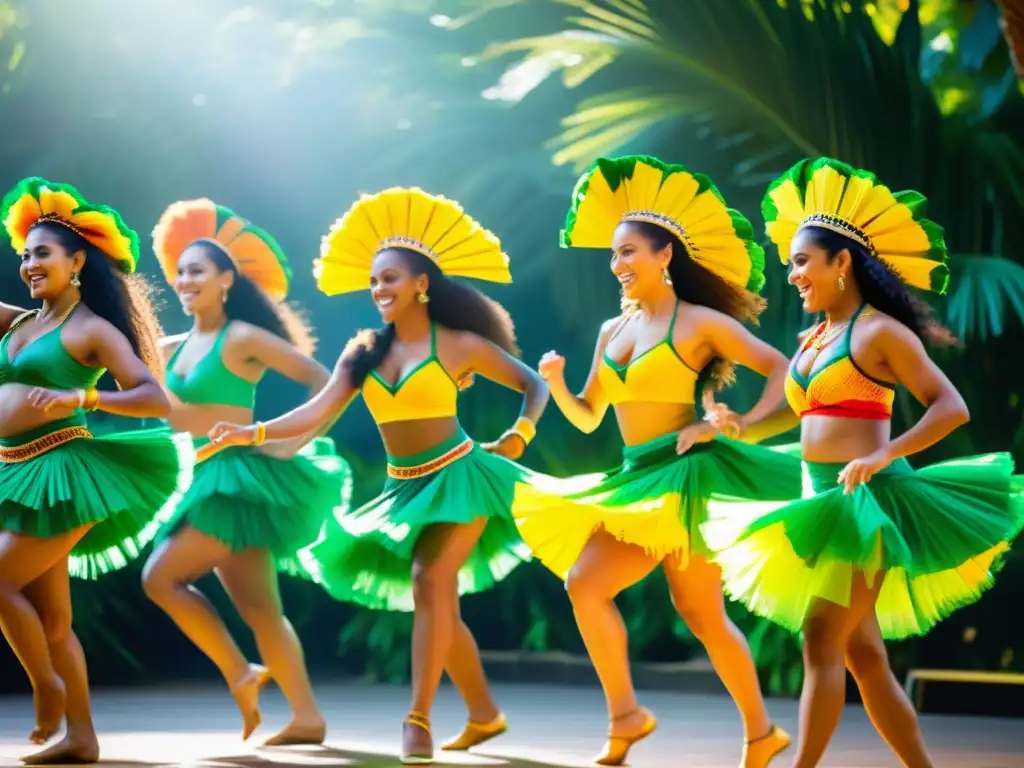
x=815, y=272
x=393, y=285
x=200, y=283
x=636, y=263
x=47, y=265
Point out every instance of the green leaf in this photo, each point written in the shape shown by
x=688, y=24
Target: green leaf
x=987, y=290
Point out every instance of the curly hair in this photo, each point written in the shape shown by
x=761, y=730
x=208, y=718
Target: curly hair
x=883, y=289
x=696, y=284
x=452, y=305
x=124, y=301
x=249, y=303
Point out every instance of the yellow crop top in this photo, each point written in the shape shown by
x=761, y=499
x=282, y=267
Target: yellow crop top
x=657, y=375
x=836, y=386
x=425, y=392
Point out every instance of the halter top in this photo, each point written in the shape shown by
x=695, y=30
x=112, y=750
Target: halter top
x=44, y=361
x=836, y=386
x=425, y=392
x=657, y=375
x=209, y=382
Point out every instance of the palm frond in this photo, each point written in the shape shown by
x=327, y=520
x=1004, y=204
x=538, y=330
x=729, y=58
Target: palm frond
x=987, y=290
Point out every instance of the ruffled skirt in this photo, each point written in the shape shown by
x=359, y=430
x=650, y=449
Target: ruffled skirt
x=246, y=499
x=933, y=536
x=366, y=555
x=656, y=499
x=59, y=477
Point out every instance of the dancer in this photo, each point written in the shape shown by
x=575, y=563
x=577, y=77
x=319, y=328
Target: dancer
x=247, y=511
x=443, y=525
x=71, y=503
x=875, y=549
x=689, y=271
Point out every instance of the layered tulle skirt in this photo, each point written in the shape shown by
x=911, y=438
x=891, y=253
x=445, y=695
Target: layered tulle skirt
x=366, y=555
x=656, y=499
x=246, y=498
x=60, y=477
x=932, y=539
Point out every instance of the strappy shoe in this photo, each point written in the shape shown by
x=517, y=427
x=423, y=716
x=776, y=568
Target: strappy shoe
x=771, y=744
x=475, y=734
x=421, y=721
x=616, y=749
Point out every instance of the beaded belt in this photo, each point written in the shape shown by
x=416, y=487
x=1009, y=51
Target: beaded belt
x=15, y=454
x=442, y=461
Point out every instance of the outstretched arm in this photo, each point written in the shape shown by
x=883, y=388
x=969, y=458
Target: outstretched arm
x=586, y=410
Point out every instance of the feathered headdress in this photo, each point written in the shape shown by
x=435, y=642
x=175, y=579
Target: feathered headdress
x=35, y=199
x=429, y=224
x=641, y=188
x=890, y=225
x=254, y=252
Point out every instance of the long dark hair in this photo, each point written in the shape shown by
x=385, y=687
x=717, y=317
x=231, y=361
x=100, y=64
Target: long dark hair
x=883, y=289
x=451, y=305
x=251, y=304
x=124, y=301
x=696, y=284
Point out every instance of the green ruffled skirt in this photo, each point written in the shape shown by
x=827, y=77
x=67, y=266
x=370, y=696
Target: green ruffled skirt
x=245, y=499
x=933, y=536
x=656, y=499
x=122, y=484
x=366, y=555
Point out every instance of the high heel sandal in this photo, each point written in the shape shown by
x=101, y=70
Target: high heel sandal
x=421, y=721
x=779, y=736
x=475, y=734
x=616, y=749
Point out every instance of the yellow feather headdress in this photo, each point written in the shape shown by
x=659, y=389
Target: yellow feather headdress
x=35, y=199
x=835, y=196
x=641, y=188
x=431, y=225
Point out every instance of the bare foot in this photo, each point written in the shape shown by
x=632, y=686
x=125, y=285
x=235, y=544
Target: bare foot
x=50, y=702
x=246, y=693
x=75, y=748
x=625, y=732
x=417, y=743
x=757, y=753
x=299, y=732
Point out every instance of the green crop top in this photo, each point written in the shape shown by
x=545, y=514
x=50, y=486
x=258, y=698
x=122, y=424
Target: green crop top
x=44, y=361
x=210, y=382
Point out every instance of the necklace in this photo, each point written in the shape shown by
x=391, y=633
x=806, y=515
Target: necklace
x=67, y=312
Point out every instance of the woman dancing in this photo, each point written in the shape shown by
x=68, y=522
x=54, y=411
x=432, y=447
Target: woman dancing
x=248, y=511
x=71, y=503
x=444, y=524
x=875, y=550
x=689, y=271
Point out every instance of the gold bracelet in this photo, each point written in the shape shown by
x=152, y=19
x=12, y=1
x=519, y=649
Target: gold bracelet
x=92, y=399
x=261, y=433
x=525, y=429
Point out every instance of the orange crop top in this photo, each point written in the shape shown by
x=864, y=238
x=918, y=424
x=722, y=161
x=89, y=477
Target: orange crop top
x=657, y=375
x=836, y=386
x=425, y=392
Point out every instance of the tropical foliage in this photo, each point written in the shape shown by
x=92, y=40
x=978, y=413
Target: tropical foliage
x=269, y=106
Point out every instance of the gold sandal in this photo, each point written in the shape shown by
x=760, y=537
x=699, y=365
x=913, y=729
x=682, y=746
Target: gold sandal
x=421, y=721
x=779, y=736
x=616, y=749
x=475, y=734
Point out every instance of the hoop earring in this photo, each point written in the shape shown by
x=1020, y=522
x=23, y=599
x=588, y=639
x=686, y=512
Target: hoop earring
x=841, y=283
x=666, y=276
x=75, y=281
x=422, y=298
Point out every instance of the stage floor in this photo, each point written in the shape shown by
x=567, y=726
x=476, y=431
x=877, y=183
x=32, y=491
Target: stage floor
x=549, y=726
